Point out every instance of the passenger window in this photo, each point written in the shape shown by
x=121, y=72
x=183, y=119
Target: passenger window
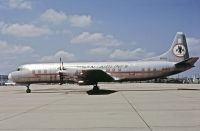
x=33, y=71
x=39, y=71
x=45, y=71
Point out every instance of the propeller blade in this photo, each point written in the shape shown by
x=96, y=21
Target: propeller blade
x=60, y=73
x=60, y=63
x=62, y=66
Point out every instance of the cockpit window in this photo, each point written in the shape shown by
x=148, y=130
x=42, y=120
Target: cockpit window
x=20, y=69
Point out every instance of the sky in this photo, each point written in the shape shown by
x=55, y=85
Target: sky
x=37, y=31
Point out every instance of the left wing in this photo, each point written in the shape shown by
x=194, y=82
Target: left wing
x=84, y=76
x=93, y=76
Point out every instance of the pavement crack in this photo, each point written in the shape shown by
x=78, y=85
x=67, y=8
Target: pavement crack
x=134, y=109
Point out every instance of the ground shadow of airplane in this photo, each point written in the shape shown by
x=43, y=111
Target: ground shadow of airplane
x=106, y=91
x=101, y=92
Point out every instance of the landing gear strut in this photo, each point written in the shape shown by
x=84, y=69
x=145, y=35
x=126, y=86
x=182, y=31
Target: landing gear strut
x=95, y=88
x=28, y=90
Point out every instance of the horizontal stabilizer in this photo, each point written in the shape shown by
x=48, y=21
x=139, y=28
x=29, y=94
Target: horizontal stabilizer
x=187, y=62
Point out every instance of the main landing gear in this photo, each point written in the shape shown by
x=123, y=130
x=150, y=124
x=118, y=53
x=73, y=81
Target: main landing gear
x=28, y=90
x=95, y=88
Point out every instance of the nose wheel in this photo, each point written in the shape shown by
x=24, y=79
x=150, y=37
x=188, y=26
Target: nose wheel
x=28, y=90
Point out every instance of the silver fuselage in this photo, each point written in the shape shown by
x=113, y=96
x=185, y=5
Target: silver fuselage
x=120, y=71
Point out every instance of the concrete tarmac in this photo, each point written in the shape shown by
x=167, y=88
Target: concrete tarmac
x=126, y=106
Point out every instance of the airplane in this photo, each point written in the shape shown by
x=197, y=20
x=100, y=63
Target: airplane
x=174, y=61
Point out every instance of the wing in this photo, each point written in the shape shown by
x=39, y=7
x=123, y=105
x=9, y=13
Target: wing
x=92, y=76
x=84, y=76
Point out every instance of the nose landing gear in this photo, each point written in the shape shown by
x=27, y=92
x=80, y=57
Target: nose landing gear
x=28, y=90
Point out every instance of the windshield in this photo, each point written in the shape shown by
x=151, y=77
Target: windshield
x=20, y=68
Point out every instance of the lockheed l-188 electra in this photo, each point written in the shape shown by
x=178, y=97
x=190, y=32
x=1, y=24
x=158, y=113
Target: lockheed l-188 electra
x=174, y=61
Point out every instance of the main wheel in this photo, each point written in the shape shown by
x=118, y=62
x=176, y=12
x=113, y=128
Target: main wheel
x=95, y=88
x=28, y=91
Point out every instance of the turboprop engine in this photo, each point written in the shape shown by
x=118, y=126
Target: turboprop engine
x=69, y=75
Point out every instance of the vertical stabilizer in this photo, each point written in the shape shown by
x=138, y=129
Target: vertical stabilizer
x=178, y=51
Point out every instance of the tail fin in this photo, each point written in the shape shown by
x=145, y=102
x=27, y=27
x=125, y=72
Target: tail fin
x=178, y=51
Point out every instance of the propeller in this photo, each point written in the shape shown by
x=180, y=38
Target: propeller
x=61, y=63
x=60, y=72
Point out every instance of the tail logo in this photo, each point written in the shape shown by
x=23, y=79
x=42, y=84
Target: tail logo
x=179, y=50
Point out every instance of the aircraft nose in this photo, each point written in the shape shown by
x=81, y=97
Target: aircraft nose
x=10, y=76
